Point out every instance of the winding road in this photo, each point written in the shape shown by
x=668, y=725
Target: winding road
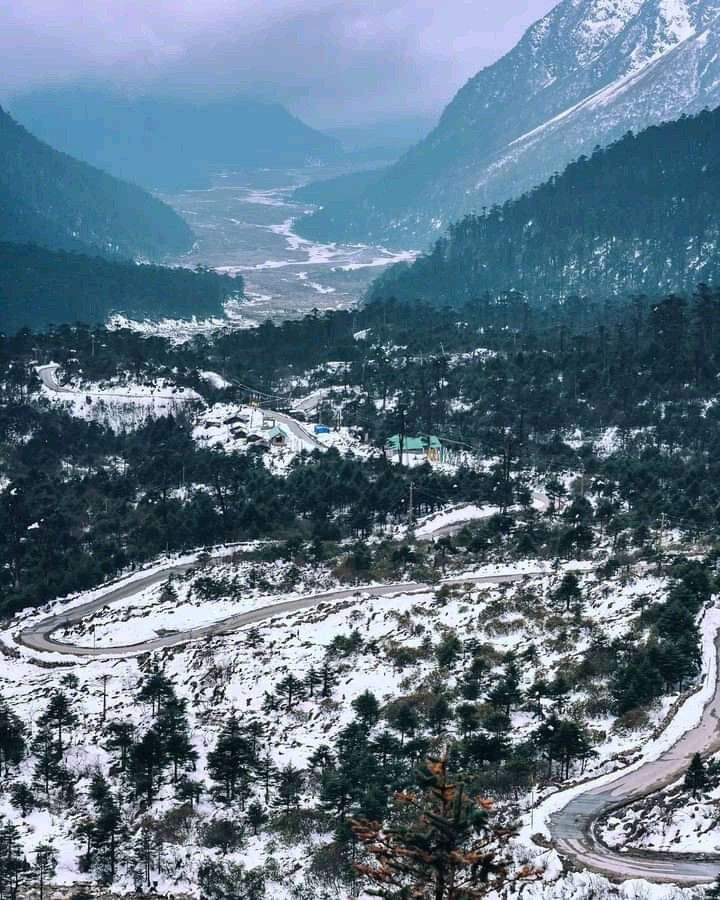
x=572, y=827
x=39, y=636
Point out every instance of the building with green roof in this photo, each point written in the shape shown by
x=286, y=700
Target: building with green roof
x=416, y=448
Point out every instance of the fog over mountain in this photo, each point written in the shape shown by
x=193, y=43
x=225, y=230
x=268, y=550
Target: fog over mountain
x=330, y=63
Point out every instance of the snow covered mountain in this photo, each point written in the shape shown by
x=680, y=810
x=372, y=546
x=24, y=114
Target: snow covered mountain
x=583, y=75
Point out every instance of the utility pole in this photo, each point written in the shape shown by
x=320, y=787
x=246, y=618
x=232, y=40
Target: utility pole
x=660, y=533
x=104, y=708
x=411, y=513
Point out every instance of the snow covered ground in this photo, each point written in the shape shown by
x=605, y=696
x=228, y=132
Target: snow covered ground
x=671, y=820
x=237, y=672
x=180, y=331
x=118, y=404
x=184, y=602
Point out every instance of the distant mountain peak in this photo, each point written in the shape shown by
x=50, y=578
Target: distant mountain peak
x=169, y=144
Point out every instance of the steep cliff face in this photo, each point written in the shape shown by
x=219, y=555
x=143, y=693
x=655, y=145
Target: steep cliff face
x=583, y=75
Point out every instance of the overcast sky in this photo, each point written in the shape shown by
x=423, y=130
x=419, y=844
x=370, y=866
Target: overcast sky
x=331, y=61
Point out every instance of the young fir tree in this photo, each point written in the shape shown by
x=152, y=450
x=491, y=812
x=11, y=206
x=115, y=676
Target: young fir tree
x=174, y=731
x=367, y=708
x=443, y=848
x=108, y=830
x=147, y=763
x=120, y=737
x=229, y=763
x=13, y=865
x=59, y=716
x=290, y=783
x=256, y=816
x=22, y=798
x=696, y=778
x=48, y=761
x=155, y=690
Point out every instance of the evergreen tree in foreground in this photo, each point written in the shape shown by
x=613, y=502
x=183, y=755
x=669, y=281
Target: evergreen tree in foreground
x=696, y=778
x=445, y=849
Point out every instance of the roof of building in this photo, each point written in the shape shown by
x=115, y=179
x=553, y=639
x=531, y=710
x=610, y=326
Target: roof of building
x=274, y=432
x=413, y=444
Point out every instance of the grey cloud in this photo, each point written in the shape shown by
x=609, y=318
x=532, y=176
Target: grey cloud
x=329, y=61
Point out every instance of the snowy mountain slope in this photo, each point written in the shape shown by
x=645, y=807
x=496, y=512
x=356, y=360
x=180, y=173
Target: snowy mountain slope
x=237, y=673
x=582, y=76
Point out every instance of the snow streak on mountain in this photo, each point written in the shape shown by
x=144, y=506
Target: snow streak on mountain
x=580, y=77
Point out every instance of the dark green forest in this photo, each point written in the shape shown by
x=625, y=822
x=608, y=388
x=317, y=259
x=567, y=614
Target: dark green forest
x=39, y=287
x=638, y=216
x=51, y=199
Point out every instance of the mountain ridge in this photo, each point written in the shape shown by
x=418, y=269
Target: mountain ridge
x=51, y=199
x=167, y=144
x=583, y=75
x=636, y=217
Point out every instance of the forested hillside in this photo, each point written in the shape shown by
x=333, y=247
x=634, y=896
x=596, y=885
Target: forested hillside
x=639, y=216
x=169, y=144
x=39, y=287
x=51, y=199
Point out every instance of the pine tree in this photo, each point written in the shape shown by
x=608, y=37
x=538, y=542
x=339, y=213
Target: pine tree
x=290, y=783
x=147, y=762
x=45, y=865
x=329, y=679
x=47, y=758
x=155, y=689
x=312, y=680
x=367, y=708
x=256, y=816
x=442, y=848
x=230, y=761
x=174, y=731
x=266, y=773
x=696, y=778
x=107, y=828
x=321, y=758
x=22, y=798
x=12, y=739
x=291, y=690
x=59, y=716
x=13, y=866
x=438, y=714
x=404, y=718
x=568, y=594
x=255, y=731
x=120, y=736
